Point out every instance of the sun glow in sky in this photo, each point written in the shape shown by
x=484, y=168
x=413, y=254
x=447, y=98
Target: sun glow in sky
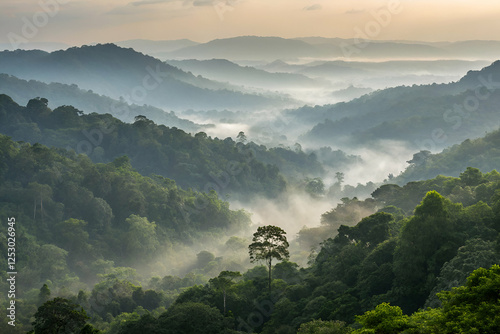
x=77, y=22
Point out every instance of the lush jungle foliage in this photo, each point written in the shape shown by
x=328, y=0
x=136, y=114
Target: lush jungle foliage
x=376, y=276
x=403, y=261
x=195, y=161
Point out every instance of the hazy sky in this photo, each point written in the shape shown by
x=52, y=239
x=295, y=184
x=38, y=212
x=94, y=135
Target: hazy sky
x=79, y=22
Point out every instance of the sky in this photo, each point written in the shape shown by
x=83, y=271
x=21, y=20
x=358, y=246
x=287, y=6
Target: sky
x=77, y=22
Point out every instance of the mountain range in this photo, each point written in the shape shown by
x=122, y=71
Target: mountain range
x=137, y=78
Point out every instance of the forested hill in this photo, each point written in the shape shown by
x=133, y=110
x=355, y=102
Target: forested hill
x=118, y=72
x=482, y=152
x=63, y=94
x=77, y=219
x=84, y=222
x=389, y=266
x=198, y=161
x=427, y=116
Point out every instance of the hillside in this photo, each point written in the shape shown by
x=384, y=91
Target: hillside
x=427, y=116
x=256, y=48
x=156, y=48
x=247, y=48
x=226, y=71
x=62, y=94
x=484, y=153
x=138, y=78
x=193, y=161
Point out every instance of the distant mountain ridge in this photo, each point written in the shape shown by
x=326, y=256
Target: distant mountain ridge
x=411, y=114
x=117, y=72
x=273, y=48
x=481, y=153
x=61, y=94
x=227, y=71
x=247, y=48
x=156, y=48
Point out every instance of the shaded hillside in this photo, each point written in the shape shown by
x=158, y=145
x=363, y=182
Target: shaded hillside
x=425, y=117
x=226, y=71
x=61, y=94
x=484, y=153
x=118, y=72
x=77, y=220
x=195, y=161
x=247, y=48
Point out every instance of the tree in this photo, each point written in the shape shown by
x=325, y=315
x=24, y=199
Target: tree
x=59, y=316
x=340, y=177
x=44, y=294
x=384, y=319
x=241, y=138
x=191, y=318
x=426, y=242
x=474, y=307
x=141, y=239
x=269, y=242
x=324, y=327
x=471, y=176
x=223, y=282
x=315, y=187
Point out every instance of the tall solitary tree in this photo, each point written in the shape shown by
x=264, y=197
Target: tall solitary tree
x=269, y=242
x=224, y=282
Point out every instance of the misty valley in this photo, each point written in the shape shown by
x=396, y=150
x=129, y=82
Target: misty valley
x=251, y=185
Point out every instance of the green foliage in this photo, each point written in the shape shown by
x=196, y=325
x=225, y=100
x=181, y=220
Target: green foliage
x=192, y=161
x=59, y=316
x=44, y=295
x=471, y=308
x=223, y=282
x=268, y=243
x=384, y=319
x=481, y=153
x=324, y=327
x=426, y=242
x=387, y=259
x=192, y=318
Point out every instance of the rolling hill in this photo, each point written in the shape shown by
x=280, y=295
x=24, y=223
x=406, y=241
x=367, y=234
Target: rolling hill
x=138, y=78
x=426, y=116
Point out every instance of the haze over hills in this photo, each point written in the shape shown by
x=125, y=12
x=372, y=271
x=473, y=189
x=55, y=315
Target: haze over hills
x=331, y=141
x=89, y=102
x=255, y=48
x=237, y=166
x=481, y=153
x=410, y=114
x=118, y=72
x=226, y=71
x=44, y=46
x=247, y=48
x=156, y=49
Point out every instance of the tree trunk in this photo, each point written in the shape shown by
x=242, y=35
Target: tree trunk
x=270, y=264
x=224, y=302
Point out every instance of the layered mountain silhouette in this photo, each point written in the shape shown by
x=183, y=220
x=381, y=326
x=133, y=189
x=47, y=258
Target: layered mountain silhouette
x=124, y=73
x=425, y=117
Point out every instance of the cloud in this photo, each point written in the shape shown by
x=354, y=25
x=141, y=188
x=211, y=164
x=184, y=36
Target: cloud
x=148, y=2
x=313, y=7
x=355, y=11
x=200, y=3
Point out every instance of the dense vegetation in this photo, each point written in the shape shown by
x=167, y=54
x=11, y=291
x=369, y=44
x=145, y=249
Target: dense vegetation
x=195, y=161
x=426, y=237
x=64, y=94
x=424, y=117
x=482, y=152
x=132, y=236
x=393, y=256
x=118, y=72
